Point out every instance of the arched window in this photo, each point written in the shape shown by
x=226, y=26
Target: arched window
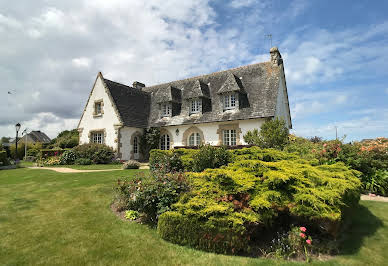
x=195, y=139
x=165, y=142
x=135, y=145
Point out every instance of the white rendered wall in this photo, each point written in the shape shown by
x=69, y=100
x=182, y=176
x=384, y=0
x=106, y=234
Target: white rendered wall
x=126, y=136
x=106, y=121
x=210, y=130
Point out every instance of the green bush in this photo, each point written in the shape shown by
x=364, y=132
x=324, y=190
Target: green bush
x=253, y=193
x=210, y=157
x=68, y=157
x=131, y=165
x=66, y=139
x=21, y=148
x=376, y=183
x=97, y=153
x=3, y=158
x=46, y=153
x=273, y=134
x=83, y=161
x=32, y=152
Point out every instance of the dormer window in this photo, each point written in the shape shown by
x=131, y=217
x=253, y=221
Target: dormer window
x=229, y=101
x=165, y=109
x=196, y=106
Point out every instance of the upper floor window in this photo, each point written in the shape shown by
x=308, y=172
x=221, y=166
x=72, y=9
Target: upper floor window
x=196, y=106
x=166, y=109
x=229, y=101
x=98, y=107
x=229, y=137
x=98, y=137
x=195, y=139
x=165, y=142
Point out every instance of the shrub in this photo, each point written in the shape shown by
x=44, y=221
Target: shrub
x=149, y=140
x=32, y=152
x=97, y=153
x=131, y=215
x=66, y=139
x=273, y=134
x=210, y=157
x=376, y=183
x=3, y=158
x=46, y=153
x=83, y=161
x=253, y=193
x=68, y=157
x=21, y=148
x=150, y=195
x=55, y=160
x=131, y=165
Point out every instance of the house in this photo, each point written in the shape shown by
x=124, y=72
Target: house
x=217, y=108
x=34, y=137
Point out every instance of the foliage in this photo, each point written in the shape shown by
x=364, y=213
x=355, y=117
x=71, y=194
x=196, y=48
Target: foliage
x=21, y=148
x=68, y=157
x=303, y=147
x=83, y=161
x=172, y=160
x=210, y=157
x=54, y=160
x=273, y=134
x=316, y=139
x=149, y=140
x=46, y=153
x=377, y=183
x=97, y=153
x=150, y=195
x=3, y=158
x=66, y=139
x=131, y=165
x=253, y=192
x=131, y=215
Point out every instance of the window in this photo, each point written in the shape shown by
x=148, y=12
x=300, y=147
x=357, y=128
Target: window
x=98, y=137
x=165, y=142
x=196, y=106
x=135, y=145
x=229, y=137
x=195, y=139
x=166, y=109
x=229, y=101
x=98, y=108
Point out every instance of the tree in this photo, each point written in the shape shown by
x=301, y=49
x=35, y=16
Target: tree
x=149, y=140
x=273, y=134
x=66, y=139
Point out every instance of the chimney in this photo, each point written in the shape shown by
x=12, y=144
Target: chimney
x=276, y=58
x=138, y=85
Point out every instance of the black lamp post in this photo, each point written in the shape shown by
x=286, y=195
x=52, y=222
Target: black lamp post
x=17, y=126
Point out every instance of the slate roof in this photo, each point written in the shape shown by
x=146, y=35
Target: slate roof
x=34, y=136
x=259, y=82
x=132, y=104
x=257, y=85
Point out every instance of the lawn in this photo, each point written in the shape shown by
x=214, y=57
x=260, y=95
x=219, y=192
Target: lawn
x=52, y=218
x=78, y=167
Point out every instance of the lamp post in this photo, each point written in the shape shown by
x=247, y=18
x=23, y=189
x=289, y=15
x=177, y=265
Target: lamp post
x=17, y=127
x=25, y=143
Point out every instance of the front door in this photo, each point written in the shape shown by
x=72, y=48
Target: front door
x=136, y=148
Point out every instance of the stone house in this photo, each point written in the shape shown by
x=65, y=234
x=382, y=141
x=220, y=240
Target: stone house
x=217, y=108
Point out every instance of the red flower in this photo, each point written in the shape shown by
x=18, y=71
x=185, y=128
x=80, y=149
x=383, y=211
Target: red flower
x=302, y=235
x=308, y=241
x=303, y=229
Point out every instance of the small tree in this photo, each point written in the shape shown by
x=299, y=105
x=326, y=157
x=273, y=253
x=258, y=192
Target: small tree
x=273, y=134
x=149, y=140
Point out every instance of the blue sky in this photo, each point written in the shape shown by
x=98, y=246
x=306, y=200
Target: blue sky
x=335, y=55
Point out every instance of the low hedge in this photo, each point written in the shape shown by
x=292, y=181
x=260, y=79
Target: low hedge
x=46, y=153
x=227, y=205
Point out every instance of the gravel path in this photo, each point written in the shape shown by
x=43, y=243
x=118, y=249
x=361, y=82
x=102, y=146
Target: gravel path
x=375, y=198
x=70, y=170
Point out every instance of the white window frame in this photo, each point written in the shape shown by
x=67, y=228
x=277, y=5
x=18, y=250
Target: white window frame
x=230, y=101
x=194, y=139
x=165, y=142
x=195, y=106
x=165, y=109
x=229, y=137
x=98, y=137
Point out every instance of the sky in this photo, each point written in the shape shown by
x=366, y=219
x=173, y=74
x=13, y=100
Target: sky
x=335, y=56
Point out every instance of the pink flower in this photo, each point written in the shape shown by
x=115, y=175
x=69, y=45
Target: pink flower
x=308, y=241
x=302, y=235
x=303, y=229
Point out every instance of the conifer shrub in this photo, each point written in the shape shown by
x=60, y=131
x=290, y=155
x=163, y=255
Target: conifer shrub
x=260, y=189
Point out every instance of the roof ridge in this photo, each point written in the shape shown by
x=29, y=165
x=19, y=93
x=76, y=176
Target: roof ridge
x=206, y=75
x=132, y=88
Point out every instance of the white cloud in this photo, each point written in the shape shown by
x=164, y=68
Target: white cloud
x=81, y=62
x=241, y=3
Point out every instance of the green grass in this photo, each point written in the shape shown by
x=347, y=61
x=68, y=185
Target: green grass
x=52, y=218
x=78, y=167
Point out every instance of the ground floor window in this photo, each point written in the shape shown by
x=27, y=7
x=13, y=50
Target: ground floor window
x=229, y=137
x=98, y=137
x=135, y=145
x=165, y=142
x=195, y=139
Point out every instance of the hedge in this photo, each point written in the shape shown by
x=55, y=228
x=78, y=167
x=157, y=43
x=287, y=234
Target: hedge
x=45, y=153
x=227, y=205
x=3, y=158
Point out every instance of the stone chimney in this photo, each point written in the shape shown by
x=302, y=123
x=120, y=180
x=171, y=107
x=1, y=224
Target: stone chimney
x=138, y=85
x=276, y=58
